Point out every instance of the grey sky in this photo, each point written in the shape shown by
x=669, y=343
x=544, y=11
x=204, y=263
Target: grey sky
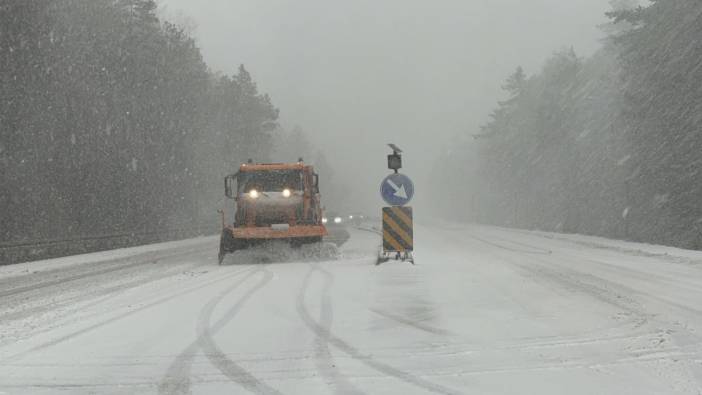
x=357, y=74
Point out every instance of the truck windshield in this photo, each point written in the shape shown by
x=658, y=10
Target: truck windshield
x=270, y=181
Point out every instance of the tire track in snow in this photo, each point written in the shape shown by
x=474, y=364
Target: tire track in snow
x=624, y=271
x=100, y=295
x=612, y=266
x=571, y=280
x=67, y=311
x=325, y=334
x=177, y=378
x=649, y=357
x=682, y=376
x=617, y=270
x=681, y=373
x=93, y=270
x=219, y=359
x=531, y=249
x=118, y=317
x=323, y=357
x=412, y=324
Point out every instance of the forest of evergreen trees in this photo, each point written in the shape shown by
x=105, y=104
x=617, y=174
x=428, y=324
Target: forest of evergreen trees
x=110, y=121
x=610, y=145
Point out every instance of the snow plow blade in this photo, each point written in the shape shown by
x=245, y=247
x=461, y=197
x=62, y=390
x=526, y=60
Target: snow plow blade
x=234, y=239
x=290, y=232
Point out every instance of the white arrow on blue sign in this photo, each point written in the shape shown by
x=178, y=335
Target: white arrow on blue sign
x=397, y=189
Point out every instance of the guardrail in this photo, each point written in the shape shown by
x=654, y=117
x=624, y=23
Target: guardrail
x=29, y=250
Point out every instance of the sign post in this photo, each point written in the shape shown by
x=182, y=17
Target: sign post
x=397, y=191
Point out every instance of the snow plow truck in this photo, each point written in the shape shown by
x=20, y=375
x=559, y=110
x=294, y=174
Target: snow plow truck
x=272, y=201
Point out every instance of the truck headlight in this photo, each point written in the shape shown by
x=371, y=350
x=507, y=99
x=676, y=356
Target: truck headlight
x=253, y=194
x=337, y=220
x=286, y=193
x=324, y=220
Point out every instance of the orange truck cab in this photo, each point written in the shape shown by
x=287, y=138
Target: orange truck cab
x=272, y=201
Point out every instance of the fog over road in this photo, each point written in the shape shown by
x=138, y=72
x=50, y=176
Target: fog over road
x=485, y=310
x=356, y=75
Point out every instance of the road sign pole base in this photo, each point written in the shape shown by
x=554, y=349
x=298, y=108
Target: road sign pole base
x=382, y=257
x=381, y=260
x=408, y=257
x=386, y=256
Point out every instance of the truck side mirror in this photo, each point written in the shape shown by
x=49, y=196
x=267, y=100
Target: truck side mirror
x=229, y=186
x=316, y=183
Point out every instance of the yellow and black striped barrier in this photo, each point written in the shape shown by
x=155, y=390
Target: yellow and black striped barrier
x=397, y=229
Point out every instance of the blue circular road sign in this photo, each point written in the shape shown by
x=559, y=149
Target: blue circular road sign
x=397, y=189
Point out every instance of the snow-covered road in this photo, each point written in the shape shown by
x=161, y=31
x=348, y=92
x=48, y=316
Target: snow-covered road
x=484, y=311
